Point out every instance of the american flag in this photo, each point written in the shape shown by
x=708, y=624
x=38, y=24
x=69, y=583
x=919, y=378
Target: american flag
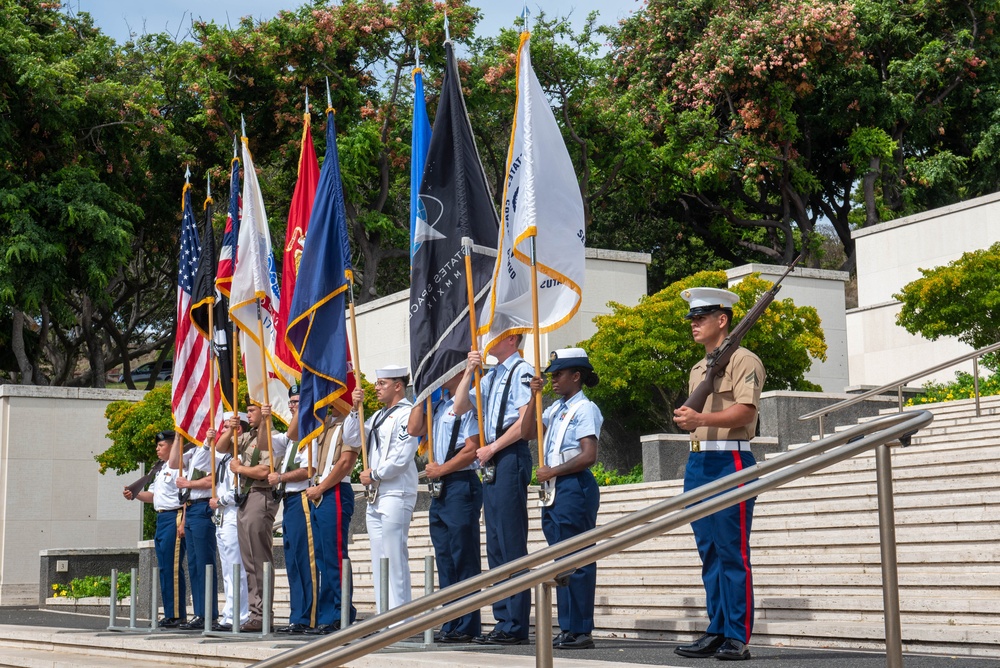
x=191, y=351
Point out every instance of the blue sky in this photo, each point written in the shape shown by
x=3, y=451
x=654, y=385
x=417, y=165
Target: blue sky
x=116, y=17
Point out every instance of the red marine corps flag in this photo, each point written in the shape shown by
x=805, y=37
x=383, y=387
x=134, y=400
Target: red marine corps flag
x=298, y=223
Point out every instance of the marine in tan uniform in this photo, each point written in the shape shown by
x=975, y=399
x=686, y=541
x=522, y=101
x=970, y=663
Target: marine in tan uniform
x=257, y=505
x=720, y=445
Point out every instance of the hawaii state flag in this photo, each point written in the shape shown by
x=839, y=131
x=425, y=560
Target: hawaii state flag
x=541, y=201
x=455, y=202
x=317, y=331
x=189, y=399
x=254, y=300
x=298, y=224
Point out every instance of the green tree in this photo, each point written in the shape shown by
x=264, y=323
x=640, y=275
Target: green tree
x=644, y=353
x=960, y=299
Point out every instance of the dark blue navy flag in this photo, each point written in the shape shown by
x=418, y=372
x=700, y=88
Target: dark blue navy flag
x=317, y=327
x=455, y=202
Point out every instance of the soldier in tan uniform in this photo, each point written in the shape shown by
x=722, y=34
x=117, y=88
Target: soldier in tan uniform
x=720, y=445
x=331, y=519
x=251, y=465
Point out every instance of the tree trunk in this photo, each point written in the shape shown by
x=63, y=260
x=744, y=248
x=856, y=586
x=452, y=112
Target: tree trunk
x=20, y=354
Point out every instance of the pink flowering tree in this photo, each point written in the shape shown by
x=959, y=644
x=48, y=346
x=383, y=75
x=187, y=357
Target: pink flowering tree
x=781, y=115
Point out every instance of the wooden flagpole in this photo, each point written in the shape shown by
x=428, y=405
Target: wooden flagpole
x=211, y=348
x=467, y=248
x=538, y=358
x=267, y=396
x=357, y=372
x=429, y=416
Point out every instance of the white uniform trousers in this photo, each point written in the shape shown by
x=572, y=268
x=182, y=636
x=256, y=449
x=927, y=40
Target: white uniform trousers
x=388, y=527
x=229, y=554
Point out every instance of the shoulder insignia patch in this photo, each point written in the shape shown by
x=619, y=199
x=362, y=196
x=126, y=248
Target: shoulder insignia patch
x=526, y=379
x=751, y=379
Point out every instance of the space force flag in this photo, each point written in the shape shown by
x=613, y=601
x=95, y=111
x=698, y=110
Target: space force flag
x=255, y=282
x=454, y=203
x=541, y=200
x=317, y=328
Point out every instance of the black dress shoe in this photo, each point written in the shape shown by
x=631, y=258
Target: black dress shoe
x=576, y=641
x=324, y=629
x=501, y=638
x=169, y=622
x=560, y=638
x=222, y=628
x=193, y=624
x=703, y=647
x=455, y=638
x=294, y=629
x=732, y=650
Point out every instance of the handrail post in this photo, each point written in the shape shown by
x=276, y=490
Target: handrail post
x=887, y=538
x=154, y=596
x=113, y=603
x=133, y=588
x=235, y=586
x=265, y=628
x=543, y=625
x=210, y=598
x=822, y=434
x=899, y=397
x=428, y=590
x=346, y=582
x=975, y=382
x=383, y=579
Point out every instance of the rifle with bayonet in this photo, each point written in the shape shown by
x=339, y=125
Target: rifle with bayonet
x=719, y=358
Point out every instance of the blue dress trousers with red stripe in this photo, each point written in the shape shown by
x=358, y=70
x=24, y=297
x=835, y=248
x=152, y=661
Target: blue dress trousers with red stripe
x=723, y=540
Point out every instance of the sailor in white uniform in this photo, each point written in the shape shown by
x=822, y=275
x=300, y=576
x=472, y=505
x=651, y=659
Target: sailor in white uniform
x=392, y=473
x=224, y=507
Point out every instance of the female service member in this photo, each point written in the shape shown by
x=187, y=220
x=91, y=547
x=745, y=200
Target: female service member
x=570, y=495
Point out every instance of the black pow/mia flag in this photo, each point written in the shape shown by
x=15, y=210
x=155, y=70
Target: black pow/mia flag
x=455, y=202
x=205, y=296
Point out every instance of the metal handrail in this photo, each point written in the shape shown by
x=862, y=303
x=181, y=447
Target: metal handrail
x=529, y=571
x=898, y=385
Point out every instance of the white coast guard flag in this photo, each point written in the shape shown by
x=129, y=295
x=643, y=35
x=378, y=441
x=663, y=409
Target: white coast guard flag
x=255, y=278
x=541, y=200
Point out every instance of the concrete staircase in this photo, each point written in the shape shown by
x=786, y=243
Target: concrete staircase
x=815, y=549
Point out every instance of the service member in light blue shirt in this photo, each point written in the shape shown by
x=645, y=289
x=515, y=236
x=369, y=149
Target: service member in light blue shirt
x=572, y=428
x=505, y=393
x=454, y=512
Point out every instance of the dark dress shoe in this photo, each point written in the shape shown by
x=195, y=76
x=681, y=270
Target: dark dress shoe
x=704, y=646
x=324, y=629
x=560, y=638
x=732, y=650
x=193, y=624
x=505, y=639
x=576, y=641
x=294, y=629
x=169, y=622
x=455, y=638
x=252, y=626
x=222, y=628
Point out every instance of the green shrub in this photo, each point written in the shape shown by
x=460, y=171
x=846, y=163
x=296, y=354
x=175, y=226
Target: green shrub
x=604, y=477
x=94, y=586
x=961, y=388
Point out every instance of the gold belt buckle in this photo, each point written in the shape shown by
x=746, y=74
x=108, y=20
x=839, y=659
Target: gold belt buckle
x=695, y=445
